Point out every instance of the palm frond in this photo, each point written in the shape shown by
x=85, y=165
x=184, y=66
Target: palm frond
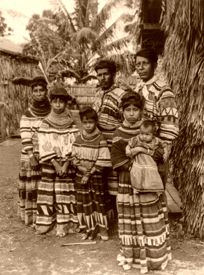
x=98, y=23
x=109, y=32
x=117, y=44
x=86, y=35
x=61, y=7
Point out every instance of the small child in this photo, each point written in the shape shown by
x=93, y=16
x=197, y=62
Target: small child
x=91, y=155
x=56, y=200
x=144, y=171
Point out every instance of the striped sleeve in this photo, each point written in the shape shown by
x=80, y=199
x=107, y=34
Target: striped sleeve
x=168, y=115
x=26, y=133
x=104, y=158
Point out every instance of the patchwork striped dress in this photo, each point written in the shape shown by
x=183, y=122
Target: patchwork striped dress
x=91, y=151
x=160, y=105
x=56, y=201
x=107, y=106
x=142, y=217
x=29, y=178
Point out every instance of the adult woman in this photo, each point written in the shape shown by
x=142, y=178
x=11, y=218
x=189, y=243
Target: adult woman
x=142, y=217
x=160, y=102
x=29, y=168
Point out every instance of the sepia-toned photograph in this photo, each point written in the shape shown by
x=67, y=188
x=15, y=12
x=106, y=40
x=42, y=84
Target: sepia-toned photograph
x=101, y=137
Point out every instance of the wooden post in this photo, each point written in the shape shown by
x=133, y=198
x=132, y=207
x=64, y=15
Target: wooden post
x=2, y=124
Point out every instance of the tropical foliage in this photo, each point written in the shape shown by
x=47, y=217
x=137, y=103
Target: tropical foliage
x=71, y=42
x=183, y=22
x=4, y=29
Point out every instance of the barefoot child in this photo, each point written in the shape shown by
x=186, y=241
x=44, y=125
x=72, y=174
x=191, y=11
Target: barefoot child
x=144, y=172
x=56, y=194
x=90, y=155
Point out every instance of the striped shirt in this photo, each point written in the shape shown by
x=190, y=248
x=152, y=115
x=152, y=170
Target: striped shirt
x=107, y=106
x=91, y=151
x=55, y=143
x=29, y=124
x=160, y=105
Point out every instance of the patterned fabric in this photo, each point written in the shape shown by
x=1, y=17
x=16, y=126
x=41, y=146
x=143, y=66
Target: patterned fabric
x=91, y=152
x=107, y=106
x=142, y=217
x=60, y=121
x=160, y=105
x=56, y=195
x=55, y=142
x=29, y=178
x=56, y=199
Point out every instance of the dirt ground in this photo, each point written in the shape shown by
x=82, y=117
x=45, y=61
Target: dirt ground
x=23, y=252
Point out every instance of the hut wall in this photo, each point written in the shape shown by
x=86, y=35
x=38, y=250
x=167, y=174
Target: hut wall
x=83, y=94
x=13, y=98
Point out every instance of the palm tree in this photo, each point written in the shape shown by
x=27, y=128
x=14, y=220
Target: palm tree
x=70, y=43
x=183, y=22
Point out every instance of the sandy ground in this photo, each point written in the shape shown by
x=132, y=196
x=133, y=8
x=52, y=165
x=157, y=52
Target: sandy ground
x=23, y=252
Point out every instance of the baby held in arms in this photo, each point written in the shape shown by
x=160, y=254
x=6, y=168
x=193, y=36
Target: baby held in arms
x=144, y=171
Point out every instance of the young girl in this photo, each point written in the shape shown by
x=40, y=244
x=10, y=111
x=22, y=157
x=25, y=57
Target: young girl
x=144, y=172
x=142, y=217
x=91, y=155
x=56, y=193
x=29, y=175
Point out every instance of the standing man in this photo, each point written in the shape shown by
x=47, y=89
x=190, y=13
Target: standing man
x=107, y=105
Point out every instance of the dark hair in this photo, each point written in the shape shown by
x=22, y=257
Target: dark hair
x=59, y=92
x=106, y=64
x=88, y=113
x=149, y=123
x=38, y=81
x=148, y=53
x=64, y=98
x=132, y=98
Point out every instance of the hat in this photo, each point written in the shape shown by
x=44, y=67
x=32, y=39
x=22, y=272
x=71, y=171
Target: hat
x=38, y=80
x=59, y=92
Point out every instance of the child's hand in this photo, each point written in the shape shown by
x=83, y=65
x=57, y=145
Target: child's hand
x=84, y=179
x=58, y=167
x=33, y=162
x=64, y=169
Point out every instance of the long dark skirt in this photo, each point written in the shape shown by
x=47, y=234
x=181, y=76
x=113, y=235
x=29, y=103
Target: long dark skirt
x=143, y=227
x=27, y=190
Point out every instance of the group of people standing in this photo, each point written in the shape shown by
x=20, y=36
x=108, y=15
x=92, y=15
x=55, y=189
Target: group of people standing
x=79, y=179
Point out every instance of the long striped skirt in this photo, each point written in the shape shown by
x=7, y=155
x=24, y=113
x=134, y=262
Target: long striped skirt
x=143, y=228
x=112, y=176
x=27, y=190
x=91, y=208
x=56, y=201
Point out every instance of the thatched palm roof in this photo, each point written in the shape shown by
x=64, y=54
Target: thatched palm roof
x=183, y=23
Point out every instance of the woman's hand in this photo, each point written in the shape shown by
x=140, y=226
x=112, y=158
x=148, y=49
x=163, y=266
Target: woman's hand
x=135, y=151
x=82, y=169
x=158, y=155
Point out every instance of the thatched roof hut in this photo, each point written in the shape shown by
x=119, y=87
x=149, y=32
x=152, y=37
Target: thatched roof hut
x=13, y=98
x=183, y=22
